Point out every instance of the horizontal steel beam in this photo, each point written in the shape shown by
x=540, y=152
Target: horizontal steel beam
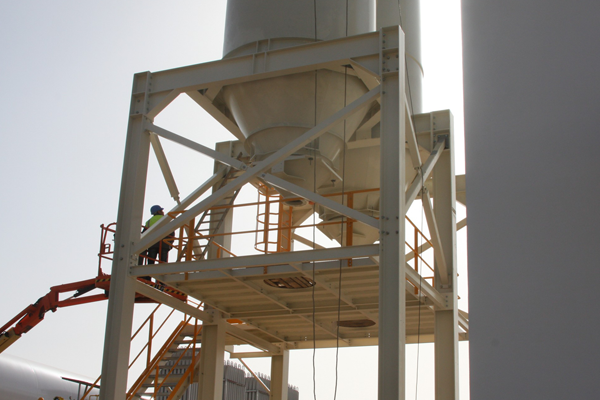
x=252, y=354
x=253, y=340
x=297, y=59
x=268, y=314
x=324, y=201
x=172, y=302
x=260, y=260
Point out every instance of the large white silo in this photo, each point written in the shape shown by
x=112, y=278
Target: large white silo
x=272, y=112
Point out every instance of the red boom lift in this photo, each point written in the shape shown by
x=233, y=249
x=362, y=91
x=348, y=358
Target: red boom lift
x=34, y=313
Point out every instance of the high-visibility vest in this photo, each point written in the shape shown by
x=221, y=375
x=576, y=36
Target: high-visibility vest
x=153, y=220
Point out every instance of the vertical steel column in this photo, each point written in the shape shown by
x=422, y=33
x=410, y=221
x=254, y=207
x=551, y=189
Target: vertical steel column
x=446, y=321
x=129, y=220
x=212, y=356
x=392, y=280
x=280, y=366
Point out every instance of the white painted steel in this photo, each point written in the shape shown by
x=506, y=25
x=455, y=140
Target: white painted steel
x=392, y=278
x=119, y=318
x=212, y=355
x=273, y=159
x=280, y=367
x=164, y=167
x=406, y=13
x=446, y=320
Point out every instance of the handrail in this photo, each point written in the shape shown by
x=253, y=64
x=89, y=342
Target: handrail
x=146, y=373
x=105, y=248
x=177, y=362
x=151, y=336
x=145, y=322
x=150, y=363
x=189, y=370
x=87, y=392
x=420, y=258
x=418, y=230
x=158, y=357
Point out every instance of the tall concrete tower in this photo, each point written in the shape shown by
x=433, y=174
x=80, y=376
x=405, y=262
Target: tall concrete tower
x=532, y=96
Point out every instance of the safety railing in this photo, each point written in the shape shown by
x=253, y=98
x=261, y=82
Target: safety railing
x=274, y=228
x=106, y=248
x=273, y=232
x=152, y=365
x=420, y=244
x=152, y=361
x=273, y=222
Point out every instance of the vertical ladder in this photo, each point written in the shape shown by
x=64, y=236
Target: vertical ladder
x=212, y=219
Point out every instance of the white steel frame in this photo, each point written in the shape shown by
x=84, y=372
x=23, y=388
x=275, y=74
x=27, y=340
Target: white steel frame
x=378, y=59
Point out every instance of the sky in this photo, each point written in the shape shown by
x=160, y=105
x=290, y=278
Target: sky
x=66, y=74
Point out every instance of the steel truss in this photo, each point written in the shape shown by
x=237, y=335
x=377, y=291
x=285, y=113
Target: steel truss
x=275, y=321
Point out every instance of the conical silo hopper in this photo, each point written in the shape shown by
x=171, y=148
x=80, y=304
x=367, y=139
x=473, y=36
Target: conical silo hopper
x=272, y=112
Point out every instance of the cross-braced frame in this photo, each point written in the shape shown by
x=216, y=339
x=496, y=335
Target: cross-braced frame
x=381, y=283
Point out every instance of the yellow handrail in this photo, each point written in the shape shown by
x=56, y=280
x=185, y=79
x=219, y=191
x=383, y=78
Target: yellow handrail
x=154, y=363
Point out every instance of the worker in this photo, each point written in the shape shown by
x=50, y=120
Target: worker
x=161, y=248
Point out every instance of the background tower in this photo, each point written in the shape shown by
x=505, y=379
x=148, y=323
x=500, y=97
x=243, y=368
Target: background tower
x=531, y=121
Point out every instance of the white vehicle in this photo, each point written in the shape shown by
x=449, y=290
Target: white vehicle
x=26, y=380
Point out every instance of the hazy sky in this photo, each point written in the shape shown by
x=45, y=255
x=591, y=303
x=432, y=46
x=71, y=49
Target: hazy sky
x=66, y=74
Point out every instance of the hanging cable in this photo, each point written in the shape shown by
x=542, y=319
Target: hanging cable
x=314, y=151
x=337, y=342
x=337, y=334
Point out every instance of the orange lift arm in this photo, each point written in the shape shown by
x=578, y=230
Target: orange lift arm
x=34, y=313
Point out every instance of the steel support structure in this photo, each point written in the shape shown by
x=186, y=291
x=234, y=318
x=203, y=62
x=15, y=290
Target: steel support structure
x=446, y=319
x=280, y=366
x=119, y=320
x=212, y=356
x=392, y=277
x=378, y=58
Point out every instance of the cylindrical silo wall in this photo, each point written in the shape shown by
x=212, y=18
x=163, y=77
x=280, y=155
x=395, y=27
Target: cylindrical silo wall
x=410, y=21
x=289, y=22
x=274, y=111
